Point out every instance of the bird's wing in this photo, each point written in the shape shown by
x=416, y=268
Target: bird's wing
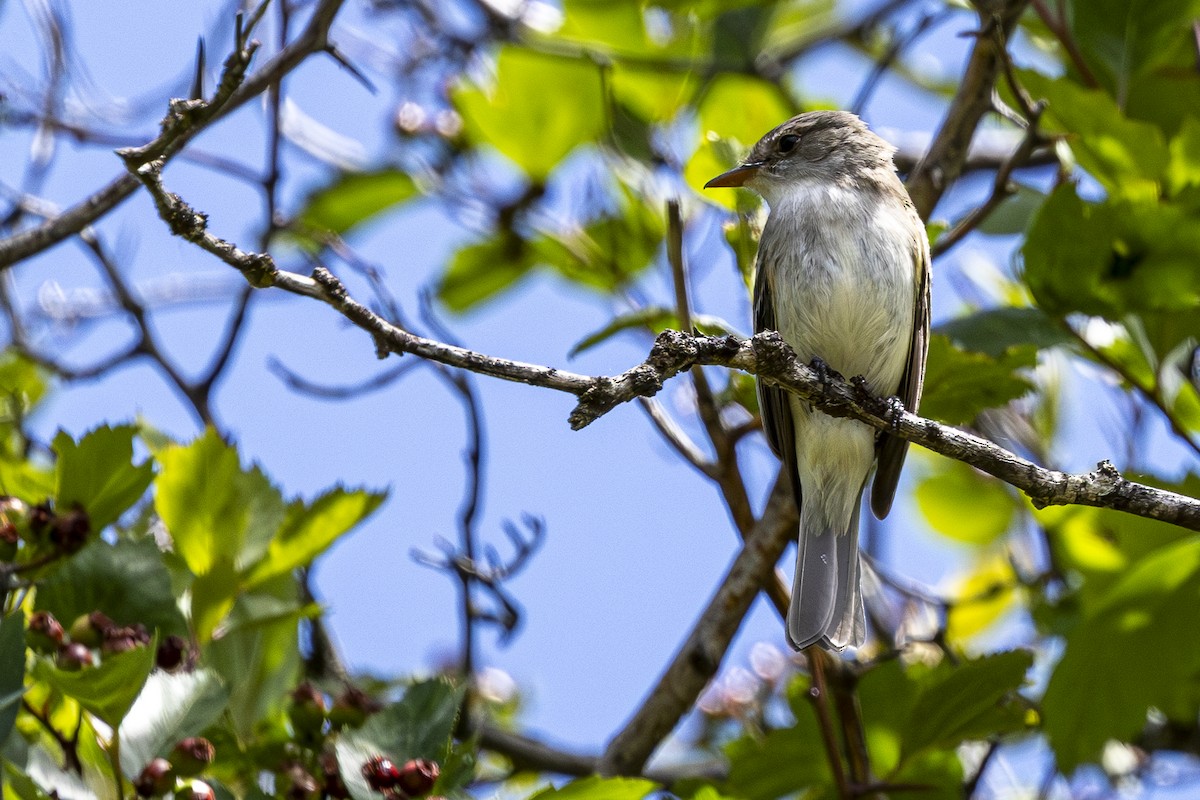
x=890, y=450
x=773, y=404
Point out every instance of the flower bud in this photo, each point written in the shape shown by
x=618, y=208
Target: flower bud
x=417, y=777
x=156, y=779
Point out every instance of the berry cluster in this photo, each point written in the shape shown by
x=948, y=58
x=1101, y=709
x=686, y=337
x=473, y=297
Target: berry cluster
x=414, y=779
x=177, y=774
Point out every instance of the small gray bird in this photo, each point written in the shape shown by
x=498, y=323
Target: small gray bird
x=843, y=275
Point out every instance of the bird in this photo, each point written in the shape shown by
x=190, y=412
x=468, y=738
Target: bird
x=843, y=275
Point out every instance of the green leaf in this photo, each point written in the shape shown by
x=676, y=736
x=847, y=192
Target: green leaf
x=783, y=761
x=959, y=383
x=128, y=581
x=420, y=725
x=981, y=598
x=1122, y=39
x=12, y=670
x=23, y=385
x=479, y=271
x=257, y=655
x=308, y=530
x=973, y=701
x=198, y=496
x=726, y=136
x=213, y=594
x=608, y=251
x=98, y=475
x=1013, y=215
x=541, y=108
x=1152, y=614
x=1112, y=258
x=1127, y=156
x=354, y=198
x=170, y=707
x=993, y=331
x=1183, y=167
x=596, y=788
x=20, y=785
x=963, y=504
x=108, y=689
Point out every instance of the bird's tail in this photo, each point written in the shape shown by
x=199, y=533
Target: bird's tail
x=827, y=603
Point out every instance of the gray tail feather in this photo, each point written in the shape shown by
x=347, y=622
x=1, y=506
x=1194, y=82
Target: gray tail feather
x=826, y=600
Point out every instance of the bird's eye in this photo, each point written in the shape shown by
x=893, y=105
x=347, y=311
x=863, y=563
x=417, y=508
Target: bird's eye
x=788, y=143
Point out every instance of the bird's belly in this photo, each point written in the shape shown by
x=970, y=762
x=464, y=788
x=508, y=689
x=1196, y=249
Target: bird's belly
x=859, y=321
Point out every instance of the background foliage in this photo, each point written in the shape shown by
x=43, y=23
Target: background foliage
x=157, y=588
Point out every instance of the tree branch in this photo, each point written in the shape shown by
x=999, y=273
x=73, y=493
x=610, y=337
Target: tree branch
x=185, y=120
x=698, y=659
x=947, y=156
x=765, y=355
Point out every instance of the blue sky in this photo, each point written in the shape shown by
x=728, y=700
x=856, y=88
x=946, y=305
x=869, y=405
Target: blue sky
x=636, y=540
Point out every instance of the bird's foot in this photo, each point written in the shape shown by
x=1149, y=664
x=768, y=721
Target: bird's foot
x=824, y=372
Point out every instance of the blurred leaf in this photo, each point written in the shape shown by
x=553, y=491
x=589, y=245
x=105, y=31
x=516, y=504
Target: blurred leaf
x=1121, y=39
x=886, y=694
x=784, y=760
x=128, y=581
x=737, y=37
x=257, y=654
x=985, y=595
x=26, y=480
x=1183, y=166
x=420, y=725
x=963, y=504
x=610, y=250
x=1127, y=156
x=735, y=112
x=1111, y=258
x=309, y=529
x=652, y=94
x=598, y=788
x=479, y=271
x=170, y=708
x=20, y=785
x=971, y=702
x=616, y=25
x=97, y=473
x=23, y=385
x=993, y=331
x=203, y=500
x=1013, y=215
x=541, y=108
x=354, y=198
x=1151, y=615
x=655, y=319
x=212, y=597
x=959, y=383
x=12, y=670
x=107, y=689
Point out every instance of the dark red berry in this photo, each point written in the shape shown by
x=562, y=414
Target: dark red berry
x=70, y=531
x=89, y=629
x=39, y=517
x=192, y=756
x=156, y=779
x=380, y=773
x=120, y=640
x=417, y=777
x=45, y=632
x=73, y=657
x=170, y=653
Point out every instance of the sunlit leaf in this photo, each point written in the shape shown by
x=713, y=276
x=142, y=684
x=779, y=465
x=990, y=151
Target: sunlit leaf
x=169, y=708
x=540, y=109
x=309, y=529
x=354, y=198
x=981, y=598
x=965, y=505
x=108, y=689
x=597, y=788
x=1152, y=613
x=98, y=475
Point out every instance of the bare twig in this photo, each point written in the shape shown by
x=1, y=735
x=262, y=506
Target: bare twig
x=945, y=160
x=187, y=119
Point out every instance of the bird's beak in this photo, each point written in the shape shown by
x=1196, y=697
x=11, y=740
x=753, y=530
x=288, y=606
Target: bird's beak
x=738, y=176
